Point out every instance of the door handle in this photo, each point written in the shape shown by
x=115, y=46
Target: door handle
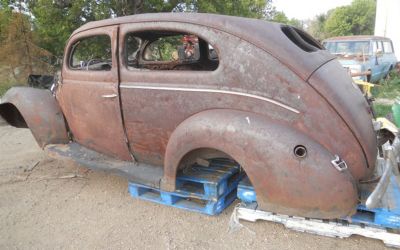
x=109, y=96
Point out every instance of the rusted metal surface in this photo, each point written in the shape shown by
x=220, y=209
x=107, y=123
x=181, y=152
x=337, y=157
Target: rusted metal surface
x=349, y=104
x=271, y=93
x=266, y=35
x=248, y=79
x=310, y=186
x=139, y=173
x=36, y=109
x=90, y=102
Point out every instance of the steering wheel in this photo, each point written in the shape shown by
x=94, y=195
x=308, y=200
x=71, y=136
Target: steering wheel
x=95, y=61
x=89, y=62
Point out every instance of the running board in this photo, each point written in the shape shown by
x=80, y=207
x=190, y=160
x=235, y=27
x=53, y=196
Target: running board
x=140, y=173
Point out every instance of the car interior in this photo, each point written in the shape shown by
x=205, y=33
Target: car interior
x=161, y=50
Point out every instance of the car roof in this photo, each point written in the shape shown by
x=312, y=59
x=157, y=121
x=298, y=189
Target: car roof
x=217, y=21
x=265, y=35
x=356, y=38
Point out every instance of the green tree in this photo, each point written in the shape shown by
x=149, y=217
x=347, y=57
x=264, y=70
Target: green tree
x=5, y=18
x=31, y=31
x=317, y=27
x=244, y=8
x=56, y=20
x=355, y=19
x=296, y=23
x=20, y=56
x=280, y=17
x=54, y=23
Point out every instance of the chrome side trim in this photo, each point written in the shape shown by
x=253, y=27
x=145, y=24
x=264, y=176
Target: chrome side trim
x=109, y=96
x=213, y=91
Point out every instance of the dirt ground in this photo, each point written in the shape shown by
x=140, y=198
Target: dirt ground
x=42, y=207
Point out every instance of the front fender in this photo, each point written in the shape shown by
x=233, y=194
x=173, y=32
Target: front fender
x=37, y=109
x=310, y=186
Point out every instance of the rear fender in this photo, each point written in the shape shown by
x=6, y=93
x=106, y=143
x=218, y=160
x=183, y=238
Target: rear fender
x=307, y=186
x=36, y=109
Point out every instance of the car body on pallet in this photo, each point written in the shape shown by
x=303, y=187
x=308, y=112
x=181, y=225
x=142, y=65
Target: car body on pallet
x=369, y=58
x=144, y=96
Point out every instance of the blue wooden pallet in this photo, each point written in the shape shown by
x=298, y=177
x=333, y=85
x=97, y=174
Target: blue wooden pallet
x=383, y=217
x=207, y=190
x=209, y=207
x=245, y=191
x=208, y=183
x=387, y=217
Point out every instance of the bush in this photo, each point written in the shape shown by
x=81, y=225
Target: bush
x=4, y=87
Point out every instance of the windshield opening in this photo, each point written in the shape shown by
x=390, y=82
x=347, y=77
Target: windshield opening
x=348, y=47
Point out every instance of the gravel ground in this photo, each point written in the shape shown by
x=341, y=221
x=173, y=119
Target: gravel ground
x=43, y=207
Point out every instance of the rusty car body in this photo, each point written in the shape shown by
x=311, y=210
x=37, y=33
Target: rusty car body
x=265, y=95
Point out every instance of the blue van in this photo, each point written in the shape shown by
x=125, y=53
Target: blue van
x=369, y=58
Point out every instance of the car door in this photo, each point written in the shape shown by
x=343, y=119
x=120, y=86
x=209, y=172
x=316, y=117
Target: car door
x=159, y=77
x=388, y=54
x=385, y=62
x=89, y=94
x=378, y=66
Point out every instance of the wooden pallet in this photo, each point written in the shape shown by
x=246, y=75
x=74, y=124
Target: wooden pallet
x=207, y=190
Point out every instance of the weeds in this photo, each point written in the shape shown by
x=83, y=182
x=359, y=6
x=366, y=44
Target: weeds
x=382, y=110
x=388, y=89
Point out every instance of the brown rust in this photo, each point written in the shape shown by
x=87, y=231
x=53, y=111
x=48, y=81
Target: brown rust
x=94, y=120
x=272, y=89
x=350, y=106
x=283, y=182
x=149, y=123
x=38, y=110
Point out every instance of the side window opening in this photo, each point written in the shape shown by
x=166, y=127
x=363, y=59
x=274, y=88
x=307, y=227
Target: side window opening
x=375, y=47
x=380, y=47
x=161, y=50
x=387, y=47
x=92, y=54
x=132, y=50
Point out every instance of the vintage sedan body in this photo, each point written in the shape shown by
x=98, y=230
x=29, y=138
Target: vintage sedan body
x=143, y=96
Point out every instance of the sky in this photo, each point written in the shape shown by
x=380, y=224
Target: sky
x=307, y=9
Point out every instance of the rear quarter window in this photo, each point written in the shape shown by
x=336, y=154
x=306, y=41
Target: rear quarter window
x=387, y=47
x=169, y=50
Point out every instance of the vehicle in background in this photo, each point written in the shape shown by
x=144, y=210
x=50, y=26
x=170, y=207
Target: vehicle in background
x=369, y=58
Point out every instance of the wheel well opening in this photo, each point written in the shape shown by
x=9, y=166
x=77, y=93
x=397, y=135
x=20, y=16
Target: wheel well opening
x=12, y=115
x=206, y=162
x=202, y=156
x=209, y=158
